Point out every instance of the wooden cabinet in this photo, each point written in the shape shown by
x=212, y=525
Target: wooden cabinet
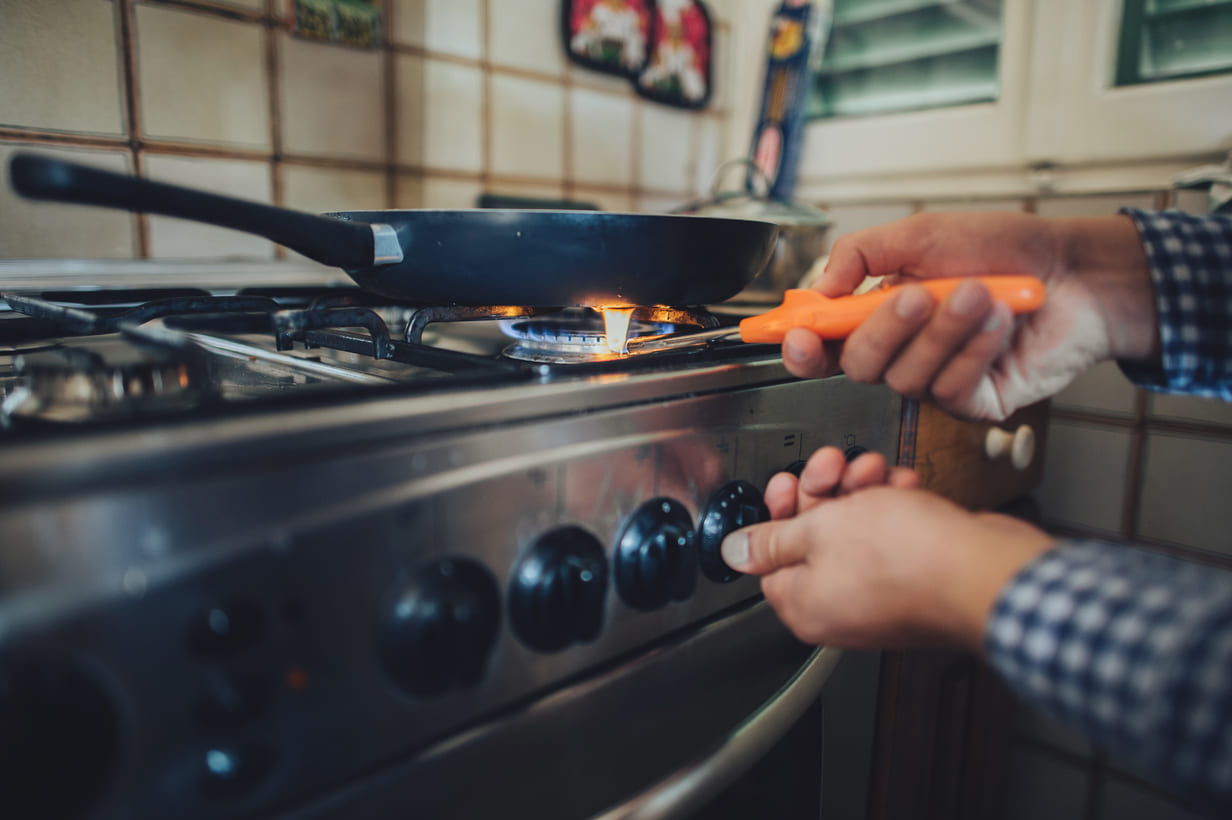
x=944, y=719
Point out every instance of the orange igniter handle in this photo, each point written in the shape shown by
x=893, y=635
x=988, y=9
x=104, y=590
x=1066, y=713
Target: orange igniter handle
x=836, y=318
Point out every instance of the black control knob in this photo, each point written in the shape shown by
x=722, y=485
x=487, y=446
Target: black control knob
x=58, y=739
x=441, y=626
x=226, y=629
x=734, y=505
x=656, y=557
x=557, y=594
x=854, y=451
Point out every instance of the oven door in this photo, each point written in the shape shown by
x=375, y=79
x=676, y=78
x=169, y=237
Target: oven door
x=661, y=734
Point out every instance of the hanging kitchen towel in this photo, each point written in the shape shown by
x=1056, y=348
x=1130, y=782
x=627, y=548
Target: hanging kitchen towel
x=680, y=47
x=608, y=35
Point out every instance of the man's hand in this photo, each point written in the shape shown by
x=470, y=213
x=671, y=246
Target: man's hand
x=969, y=353
x=856, y=557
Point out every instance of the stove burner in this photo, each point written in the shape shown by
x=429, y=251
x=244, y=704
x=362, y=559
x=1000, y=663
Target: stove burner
x=576, y=336
x=95, y=378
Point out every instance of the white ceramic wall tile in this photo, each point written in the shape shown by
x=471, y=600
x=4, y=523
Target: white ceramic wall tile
x=649, y=204
x=202, y=78
x=601, y=130
x=1101, y=205
x=180, y=238
x=332, y=100
x=975, y=205
x=1123, y=800
x=308, y=188
x=709, y=154
x=851, y=218
x=1185, y=492
x=441, y=192
x=605, y=200
x=60, y=67
x=527, y=190
x=409, y=109
x=1084, y=476
x=1045, y=729
x=448, y=26
x=44, y=229
x=526, y=34
x=1190, y=201
x=1102, y=389
x=666, y=149
x=408, y=191
x=449, y=119
x=721, y=73
x=1189, y=408
x=608, y=83
x=1043, y=786
x=527, y=127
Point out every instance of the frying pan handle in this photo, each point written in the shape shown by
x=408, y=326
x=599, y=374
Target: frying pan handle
x=325, y=239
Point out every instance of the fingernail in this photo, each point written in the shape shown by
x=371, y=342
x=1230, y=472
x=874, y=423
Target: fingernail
x=913, y=304
x=735, y=549
x=793, y=353
x=967, y=298
x=1001, y=315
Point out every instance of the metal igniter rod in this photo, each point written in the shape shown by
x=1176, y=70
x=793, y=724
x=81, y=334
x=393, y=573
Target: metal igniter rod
x=700, y=338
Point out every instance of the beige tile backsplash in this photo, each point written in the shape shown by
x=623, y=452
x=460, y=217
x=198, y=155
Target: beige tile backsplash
x=451, y=118
x=178, y=239
x=445, y=26
x=527, y=127
x=523, y=41
x=201, y=78
x=599, y=129
x=333, y=100
x=71, y=82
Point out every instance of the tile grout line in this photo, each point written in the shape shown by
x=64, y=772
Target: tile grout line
x=390, y=100
x=485, y=104
x=273, y=86
x=566, y=119
x=128, y=54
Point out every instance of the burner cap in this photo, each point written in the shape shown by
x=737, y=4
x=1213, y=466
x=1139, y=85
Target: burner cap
x=94, y=378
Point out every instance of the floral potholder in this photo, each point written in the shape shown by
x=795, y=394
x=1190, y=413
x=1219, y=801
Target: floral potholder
x=608, y=35
x=678, y=72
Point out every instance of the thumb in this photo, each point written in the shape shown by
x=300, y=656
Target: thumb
x=765, y=547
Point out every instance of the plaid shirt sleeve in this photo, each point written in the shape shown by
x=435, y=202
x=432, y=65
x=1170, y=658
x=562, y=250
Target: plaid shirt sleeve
x=1132, y=647
x=1191, y=266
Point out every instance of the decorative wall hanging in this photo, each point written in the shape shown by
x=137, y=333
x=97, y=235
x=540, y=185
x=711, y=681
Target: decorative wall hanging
x=678, y=71
x=349, y=22
x=612, y=36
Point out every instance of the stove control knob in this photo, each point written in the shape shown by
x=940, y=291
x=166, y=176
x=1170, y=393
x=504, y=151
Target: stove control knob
x=59, y=738
x=656, y=556
x=558, y=590
x=441, y=626
x=734, y=505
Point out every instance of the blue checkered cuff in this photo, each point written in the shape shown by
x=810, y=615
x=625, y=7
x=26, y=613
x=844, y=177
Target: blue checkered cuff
x=1191, y=266
x=1132, y=647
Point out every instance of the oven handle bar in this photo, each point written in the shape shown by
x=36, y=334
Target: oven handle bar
x=691, y=786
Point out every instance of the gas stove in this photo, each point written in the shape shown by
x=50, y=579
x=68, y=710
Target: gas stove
x=273, y=547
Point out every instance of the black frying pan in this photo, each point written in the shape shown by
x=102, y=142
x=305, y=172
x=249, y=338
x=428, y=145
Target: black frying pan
x=479, y=257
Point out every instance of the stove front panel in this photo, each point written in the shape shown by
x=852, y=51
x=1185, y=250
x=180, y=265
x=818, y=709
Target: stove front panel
x=258, y=633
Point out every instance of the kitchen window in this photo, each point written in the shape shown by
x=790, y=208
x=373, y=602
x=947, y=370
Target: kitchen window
x=1172, y=39
x=884, y=56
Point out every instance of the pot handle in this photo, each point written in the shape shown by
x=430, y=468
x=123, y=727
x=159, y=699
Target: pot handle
x=328, y=240
x=755, y=175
